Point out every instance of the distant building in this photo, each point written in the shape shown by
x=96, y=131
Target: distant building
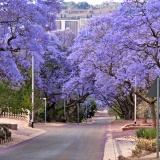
x=76, y=19
x=74, y=25
x=83, y=22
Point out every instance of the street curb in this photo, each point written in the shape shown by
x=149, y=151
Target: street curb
x=110, y=149
x=118, y=148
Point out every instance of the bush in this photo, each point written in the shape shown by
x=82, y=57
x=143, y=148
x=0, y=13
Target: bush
x=150, y=133
x=146, y=144
x=147, y=133
x=140, y=133
x=144, y=147
x=41, y=114
x=137, y=152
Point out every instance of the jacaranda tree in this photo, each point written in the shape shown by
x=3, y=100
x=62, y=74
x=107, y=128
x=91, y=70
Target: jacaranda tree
x=114, y=49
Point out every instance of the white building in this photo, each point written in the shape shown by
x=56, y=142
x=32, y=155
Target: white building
x=74, y=25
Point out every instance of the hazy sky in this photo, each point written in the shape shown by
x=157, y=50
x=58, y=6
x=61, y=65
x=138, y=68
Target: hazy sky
x=92, y=1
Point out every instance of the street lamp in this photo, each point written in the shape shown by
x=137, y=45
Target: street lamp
x=45, y=104
x=32, y=121
x=135, y=101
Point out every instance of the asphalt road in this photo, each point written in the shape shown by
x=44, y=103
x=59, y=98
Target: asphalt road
x=69, y=142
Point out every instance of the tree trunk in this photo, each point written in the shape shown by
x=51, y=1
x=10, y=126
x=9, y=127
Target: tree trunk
x=53, y=111
x=127, y=115
x=153, y=114
x=53, y=114
x=67, y=114
x=130, y=114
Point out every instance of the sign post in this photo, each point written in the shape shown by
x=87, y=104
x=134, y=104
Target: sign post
x=157, y=137
x=154, y=91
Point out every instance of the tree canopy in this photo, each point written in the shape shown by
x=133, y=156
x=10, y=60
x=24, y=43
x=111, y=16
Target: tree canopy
x=114, y=49
x=100, y=63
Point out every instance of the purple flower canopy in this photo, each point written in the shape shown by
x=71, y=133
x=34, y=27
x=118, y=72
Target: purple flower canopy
x=102, y=61
x=114, y=49
x=23, y=29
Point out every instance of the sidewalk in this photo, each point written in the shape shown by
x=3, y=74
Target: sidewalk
x=23, y=132
x=110, y=150
x=122, y=143
x=118, y=143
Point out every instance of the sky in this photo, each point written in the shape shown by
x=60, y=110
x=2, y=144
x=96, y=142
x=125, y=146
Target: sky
x=92, y=1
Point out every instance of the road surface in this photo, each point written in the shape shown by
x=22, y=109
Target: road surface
x=68, y=142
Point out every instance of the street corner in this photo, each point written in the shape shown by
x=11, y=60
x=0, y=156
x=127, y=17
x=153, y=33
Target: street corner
x=22, y=135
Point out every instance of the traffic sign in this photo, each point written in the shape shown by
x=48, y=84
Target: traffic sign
x=152, y=92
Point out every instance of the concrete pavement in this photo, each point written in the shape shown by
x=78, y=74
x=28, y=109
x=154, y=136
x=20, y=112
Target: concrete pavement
x=110, y=150
x=122, y=143
x=114, y=147
x=119, y=146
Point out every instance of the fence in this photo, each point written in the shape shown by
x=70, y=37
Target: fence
x=21, y=114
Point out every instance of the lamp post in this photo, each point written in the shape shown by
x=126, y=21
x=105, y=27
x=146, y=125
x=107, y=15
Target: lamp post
x=45, y=104
x=32, y=121
x=135, y=101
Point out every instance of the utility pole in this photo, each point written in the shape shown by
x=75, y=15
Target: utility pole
x=135, y=101
x=32, y=121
